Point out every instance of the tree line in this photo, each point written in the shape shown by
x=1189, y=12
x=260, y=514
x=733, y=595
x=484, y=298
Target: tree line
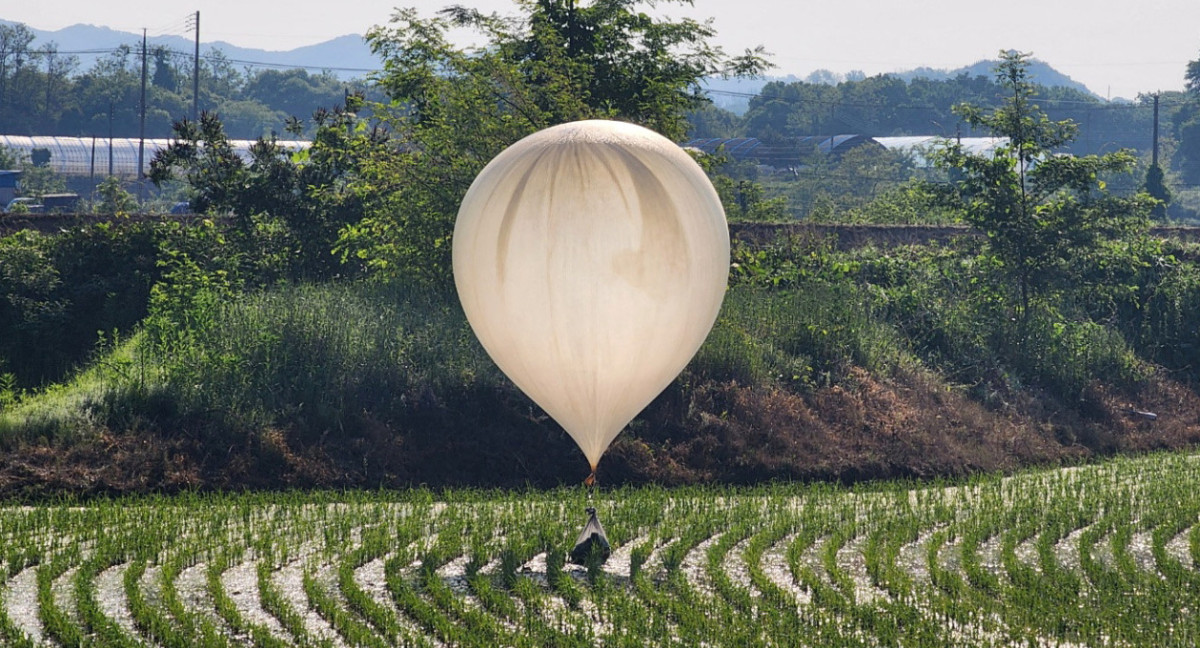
x=44, y=92
x=884, y=105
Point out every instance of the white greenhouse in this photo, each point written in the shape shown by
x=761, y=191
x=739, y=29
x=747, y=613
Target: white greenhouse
x=97, y=157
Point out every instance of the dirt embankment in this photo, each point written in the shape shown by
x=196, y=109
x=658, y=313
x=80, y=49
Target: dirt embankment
x=867, y=428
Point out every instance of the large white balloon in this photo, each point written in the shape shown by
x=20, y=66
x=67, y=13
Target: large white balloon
x=591, y=259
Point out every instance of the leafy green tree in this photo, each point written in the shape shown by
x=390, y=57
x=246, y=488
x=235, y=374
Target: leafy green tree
x=560, y=60
x=744, y=201
x=9, y=159
x=108, y=96
x=286, y=206
x=249, y=119
x=742, y=196
x=165, y=75
x=114, y=199
x=14, y=55
x=55, y=81
x=1045, y=216
x=38, y=180
x=1192, y=77
x=293, y=92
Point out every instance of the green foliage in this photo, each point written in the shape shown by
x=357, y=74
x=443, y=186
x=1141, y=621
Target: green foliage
x=10, y=393
x=904, y=204
x=808, y=335
x=744, y=202
x=311, y=359
x=114, y=199
x=455, y=110
x=886, y=105
x=44, y=91
x=815, y=313
x=29, y=305
x=1043, y=214
x=1068, y=355
x=865, y=184
x=38, y=180
x=742, y=196
x=1166, y=316
x=57, y=291
x=197, y=271
x=8, y=158
x=1155, y=186
x=287, y=207
x=1192, y=76
x=39, y=157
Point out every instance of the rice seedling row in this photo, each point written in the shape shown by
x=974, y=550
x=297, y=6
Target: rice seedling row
x=1097, y=555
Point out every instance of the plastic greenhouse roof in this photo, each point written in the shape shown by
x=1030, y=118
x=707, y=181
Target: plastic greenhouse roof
x=917, y=145
x=83, y=156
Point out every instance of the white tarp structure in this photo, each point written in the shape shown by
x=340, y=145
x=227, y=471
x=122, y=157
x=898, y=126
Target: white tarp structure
x=101, y=156
x=591, y=260
x=918, y=147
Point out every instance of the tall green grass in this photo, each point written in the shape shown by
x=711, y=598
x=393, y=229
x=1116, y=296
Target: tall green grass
x=316, y=356
x=320, y=359
x=312, y=357
x=805, y=335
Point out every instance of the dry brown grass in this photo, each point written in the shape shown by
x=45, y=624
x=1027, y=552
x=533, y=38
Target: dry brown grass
x=866, y=428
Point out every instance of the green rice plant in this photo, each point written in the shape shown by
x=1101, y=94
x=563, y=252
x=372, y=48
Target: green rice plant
x=57, y=622
x=381, y=619
x=352, y=631
x=1194, y=546
x=1132, y=519
x=9, y=632
x=1179, y=521
x=99, y=626
x=196, y=628
x=227, y=609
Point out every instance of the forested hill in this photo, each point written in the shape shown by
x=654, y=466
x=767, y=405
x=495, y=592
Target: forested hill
x=1040, y=72
x=346, y=56
x=734, y=94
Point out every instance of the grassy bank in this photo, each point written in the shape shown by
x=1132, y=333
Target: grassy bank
x=823, y=364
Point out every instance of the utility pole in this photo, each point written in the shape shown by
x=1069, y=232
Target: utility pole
x=196, y=73
x=142, y=121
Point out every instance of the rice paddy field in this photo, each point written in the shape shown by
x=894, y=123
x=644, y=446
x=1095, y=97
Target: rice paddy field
x=1099, y=555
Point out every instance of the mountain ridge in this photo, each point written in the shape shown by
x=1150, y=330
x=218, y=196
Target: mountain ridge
x=349, y=56
x=346, y=56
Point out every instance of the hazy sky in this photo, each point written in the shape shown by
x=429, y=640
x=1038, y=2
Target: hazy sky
x=1116, y=48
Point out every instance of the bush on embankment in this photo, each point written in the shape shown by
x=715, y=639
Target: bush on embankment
x=823, y=365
